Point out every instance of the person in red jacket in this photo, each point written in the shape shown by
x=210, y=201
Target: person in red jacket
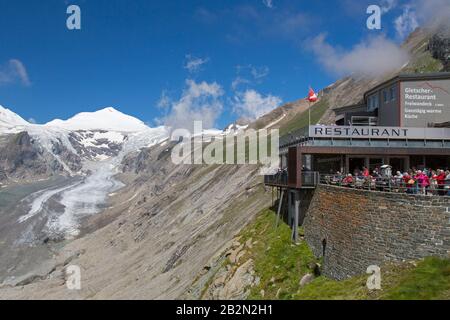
x=366, y=172
x=423, y=182
x=441, y=182
x=348, y=180
x=409, y=182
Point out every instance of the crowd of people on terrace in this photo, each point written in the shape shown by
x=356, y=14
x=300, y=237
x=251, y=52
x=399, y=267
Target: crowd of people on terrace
x=413, y=181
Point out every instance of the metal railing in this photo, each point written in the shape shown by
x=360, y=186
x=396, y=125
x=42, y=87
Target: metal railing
x=309, y=179
x=278, y=179
x=385, y=184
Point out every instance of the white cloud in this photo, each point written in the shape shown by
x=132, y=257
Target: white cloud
x=14, y=71
x=164, y=101
x=194, y=64
x=259, y=72
x=373, y=57
x=429, y=13
x=199, y=102
x=239, y=81
x=249, y=74
x=406, y=23
x=252, y=105
x=268, y=3
x=388, y=5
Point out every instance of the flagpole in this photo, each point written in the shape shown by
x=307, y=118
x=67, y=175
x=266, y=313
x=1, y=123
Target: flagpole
x=309, y=114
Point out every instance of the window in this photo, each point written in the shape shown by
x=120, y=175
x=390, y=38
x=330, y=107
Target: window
x=373, y=102
x=392, y=93
x=385, y=96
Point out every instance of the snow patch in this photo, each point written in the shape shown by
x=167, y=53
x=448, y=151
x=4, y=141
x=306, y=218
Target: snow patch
x=108, y=119
x=9, y=120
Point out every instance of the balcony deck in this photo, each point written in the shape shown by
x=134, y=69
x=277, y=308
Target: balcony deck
x=309, y=180
x=294, y=146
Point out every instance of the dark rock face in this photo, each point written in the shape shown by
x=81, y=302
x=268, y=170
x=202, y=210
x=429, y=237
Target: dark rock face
x=72, y=160
x=95, y=147
x=3, y=176
x=22, y=158
x=439, y=46
x=143, y=160
x=18, y=153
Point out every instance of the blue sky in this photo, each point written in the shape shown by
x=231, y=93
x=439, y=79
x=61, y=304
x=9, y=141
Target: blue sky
x=129, y=54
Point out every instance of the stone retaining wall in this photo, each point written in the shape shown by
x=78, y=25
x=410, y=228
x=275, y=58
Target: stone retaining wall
x=354, y=229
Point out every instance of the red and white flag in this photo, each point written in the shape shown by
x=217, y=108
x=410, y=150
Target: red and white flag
x=312, y=96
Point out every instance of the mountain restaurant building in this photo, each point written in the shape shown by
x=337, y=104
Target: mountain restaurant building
x=403, y=122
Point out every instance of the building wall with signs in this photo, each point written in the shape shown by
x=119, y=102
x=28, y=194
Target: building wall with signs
x=405, y=101
x=389, y=110
x=424, y=103
x=354, y=229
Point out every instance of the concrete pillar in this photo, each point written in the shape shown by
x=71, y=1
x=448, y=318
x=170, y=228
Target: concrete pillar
x=308, y=161
x=407, y=164
x=347, y=165
x=289, y=207
x=297, y=216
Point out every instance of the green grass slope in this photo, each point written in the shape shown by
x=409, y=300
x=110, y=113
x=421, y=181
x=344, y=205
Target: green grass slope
x=301, y=120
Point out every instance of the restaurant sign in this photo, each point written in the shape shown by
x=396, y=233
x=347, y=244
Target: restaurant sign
x=379, y=133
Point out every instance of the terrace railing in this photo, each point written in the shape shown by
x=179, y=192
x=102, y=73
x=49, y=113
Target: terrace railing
x=384, y=184
x=279, y=179
x=309, y=179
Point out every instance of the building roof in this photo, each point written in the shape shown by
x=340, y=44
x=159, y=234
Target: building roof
x=400, y=77
x=350, y=108
x=442, y=125
x=411, y=77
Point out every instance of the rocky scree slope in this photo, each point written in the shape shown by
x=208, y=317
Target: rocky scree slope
x=158, y=232
x=161, y=230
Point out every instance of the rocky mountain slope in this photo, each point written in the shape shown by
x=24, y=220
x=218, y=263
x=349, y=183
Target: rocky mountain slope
x=159, y=232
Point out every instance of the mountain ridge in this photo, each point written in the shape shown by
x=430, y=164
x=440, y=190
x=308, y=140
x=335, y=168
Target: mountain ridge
x=9, y=119
x=160, y=231
x=108, y=119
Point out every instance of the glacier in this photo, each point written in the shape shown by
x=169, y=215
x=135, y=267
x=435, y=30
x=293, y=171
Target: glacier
x=89, y=136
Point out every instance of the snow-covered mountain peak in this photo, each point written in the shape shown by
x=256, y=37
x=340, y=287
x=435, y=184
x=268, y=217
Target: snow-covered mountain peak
x=88, y=136
x=108, y=119
x=9, y=119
